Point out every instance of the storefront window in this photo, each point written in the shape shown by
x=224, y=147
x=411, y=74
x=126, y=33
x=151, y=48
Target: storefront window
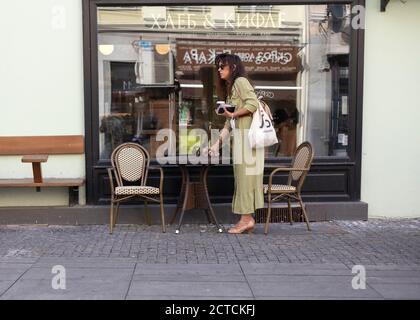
x=156, y=71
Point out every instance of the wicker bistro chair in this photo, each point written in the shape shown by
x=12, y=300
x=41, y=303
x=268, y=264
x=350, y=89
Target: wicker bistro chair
x=301, y=164
x=130, y=164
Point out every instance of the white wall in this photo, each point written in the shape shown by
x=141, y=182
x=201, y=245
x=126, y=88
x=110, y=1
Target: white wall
x=41, y=88
x=391, y=111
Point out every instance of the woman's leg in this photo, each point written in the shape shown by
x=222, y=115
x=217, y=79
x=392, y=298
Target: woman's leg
x=246, y=218
x=246, y=223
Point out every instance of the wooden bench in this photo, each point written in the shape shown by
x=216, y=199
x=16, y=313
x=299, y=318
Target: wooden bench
x=35, y=150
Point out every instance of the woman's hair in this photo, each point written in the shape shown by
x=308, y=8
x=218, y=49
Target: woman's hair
x=237, y=69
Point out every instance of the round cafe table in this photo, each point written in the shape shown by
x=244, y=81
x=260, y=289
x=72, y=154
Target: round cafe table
x=194, y=192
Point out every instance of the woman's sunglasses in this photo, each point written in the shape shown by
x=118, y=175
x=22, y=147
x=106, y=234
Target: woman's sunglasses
x=221, y=66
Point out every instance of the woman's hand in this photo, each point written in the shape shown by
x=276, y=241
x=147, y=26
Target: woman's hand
x=213, y=151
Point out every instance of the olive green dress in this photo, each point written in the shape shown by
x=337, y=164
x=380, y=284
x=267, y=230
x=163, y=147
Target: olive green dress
x=248, y=164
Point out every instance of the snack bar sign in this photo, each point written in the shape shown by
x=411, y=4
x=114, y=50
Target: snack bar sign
x=256, y=56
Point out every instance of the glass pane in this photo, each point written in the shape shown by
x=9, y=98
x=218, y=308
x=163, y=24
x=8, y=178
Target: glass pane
x=327, y=79
x=156, y=70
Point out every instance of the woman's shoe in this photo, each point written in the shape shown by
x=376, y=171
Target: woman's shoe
x=241, y=228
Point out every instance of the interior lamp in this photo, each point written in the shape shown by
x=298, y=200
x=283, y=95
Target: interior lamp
x=106, y=49
x=162, y=48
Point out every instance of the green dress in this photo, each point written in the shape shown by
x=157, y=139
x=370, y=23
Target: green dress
x=248, y=164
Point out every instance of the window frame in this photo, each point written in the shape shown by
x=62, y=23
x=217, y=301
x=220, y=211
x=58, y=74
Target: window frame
x=351, y=162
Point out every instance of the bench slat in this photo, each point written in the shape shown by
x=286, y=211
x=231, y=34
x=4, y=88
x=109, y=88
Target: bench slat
x=35, y=158
x=21, y=145
x=17, y=183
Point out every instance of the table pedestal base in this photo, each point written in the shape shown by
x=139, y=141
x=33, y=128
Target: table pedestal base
x=194, y=195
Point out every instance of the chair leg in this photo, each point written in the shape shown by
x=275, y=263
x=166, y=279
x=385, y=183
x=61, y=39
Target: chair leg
x=162, y=214
x=267, y=222
x=117, y=211
x=181, y=196
x=304, y=212
x=290, y=210
x=111, y=217
x=172, y=220
x=146, y=209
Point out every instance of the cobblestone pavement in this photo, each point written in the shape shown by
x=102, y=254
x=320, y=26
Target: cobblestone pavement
x=374, y=242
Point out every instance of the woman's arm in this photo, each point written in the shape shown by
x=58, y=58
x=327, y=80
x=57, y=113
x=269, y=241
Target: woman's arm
x=247, y=94
x=249, y=99
x=223, y=134
x=250, y=104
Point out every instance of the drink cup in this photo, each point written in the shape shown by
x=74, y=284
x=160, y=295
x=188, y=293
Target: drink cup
x=219, y=107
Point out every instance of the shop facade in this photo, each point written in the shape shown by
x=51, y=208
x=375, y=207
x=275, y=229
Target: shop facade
x=134, y=68
x=154, y=69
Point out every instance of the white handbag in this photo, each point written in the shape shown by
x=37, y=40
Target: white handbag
x=232, y=124
x=262, y=133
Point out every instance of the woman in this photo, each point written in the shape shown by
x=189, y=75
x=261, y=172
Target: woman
x=234, y=88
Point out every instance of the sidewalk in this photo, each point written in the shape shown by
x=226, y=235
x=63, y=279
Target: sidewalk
x=139, y=262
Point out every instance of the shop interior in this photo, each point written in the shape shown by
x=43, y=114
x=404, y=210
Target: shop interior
x=154, y=80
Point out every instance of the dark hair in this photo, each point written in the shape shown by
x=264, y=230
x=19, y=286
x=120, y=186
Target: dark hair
x=237, y=69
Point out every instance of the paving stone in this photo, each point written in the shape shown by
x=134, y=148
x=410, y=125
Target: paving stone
x=398, y=290
x=257, y=269
x=185, y=272
x=389, y=249
x=108, y=274
x=376, y=242
x=213, y=289
x=12, y=273
x=164, y=269
x=5, y=284
x=307, y=286
x=82, y=289
x=86, y=262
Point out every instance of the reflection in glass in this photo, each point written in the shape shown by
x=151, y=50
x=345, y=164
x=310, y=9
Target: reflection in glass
x=160, y=72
